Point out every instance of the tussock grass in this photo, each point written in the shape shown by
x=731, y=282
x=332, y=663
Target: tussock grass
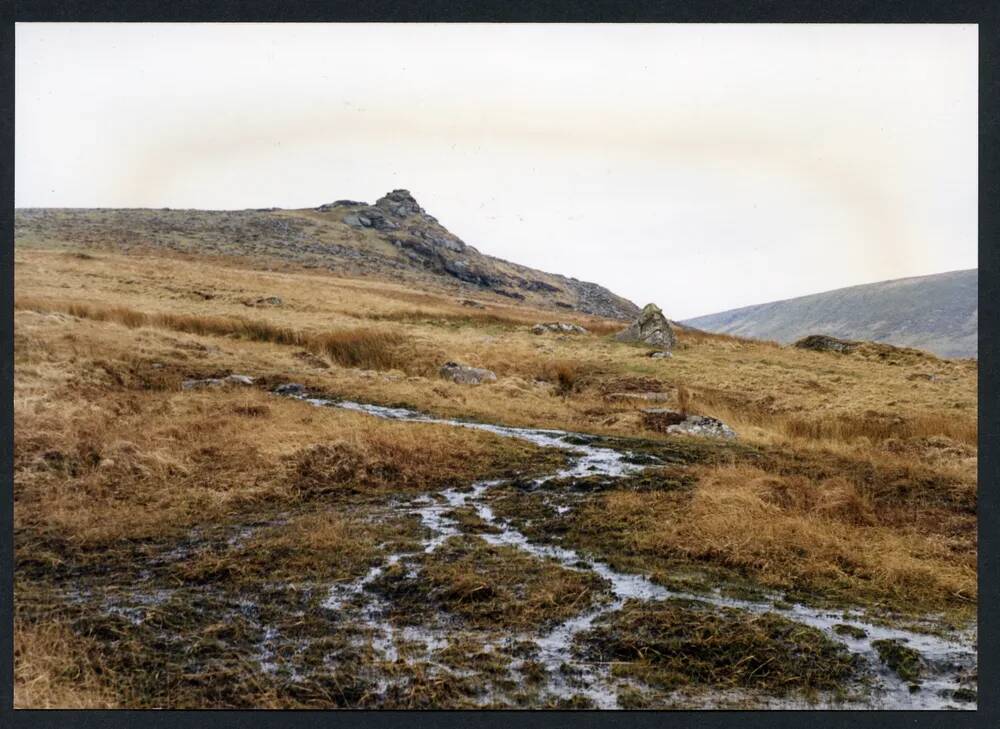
x=787, y=532
x=144, y=464
x=870, y=426
x=567, y=375
x=51, y=670
x=358, y=347
x=879, y=427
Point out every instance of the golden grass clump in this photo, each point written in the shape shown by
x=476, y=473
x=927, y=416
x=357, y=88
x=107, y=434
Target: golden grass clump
x=51, y=669
x=795, y=534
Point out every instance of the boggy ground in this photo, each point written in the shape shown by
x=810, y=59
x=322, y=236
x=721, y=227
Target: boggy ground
x=229, y=547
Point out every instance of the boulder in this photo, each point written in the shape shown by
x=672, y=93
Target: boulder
x=824, y=343
x=650, y=328
x=465, y=375
x=672, y=421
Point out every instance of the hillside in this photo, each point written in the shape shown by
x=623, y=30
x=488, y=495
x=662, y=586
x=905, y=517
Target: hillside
x=241, y=485
x=394, y=239
x=938, y=313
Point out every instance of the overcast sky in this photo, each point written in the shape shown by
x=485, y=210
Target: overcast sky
x=703, y=167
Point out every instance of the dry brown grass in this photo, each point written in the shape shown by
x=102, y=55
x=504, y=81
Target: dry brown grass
x=51, y=670
x=138, y=463
x=689, y=337
x=358, y=347
x=793, y=533
x=879, y=427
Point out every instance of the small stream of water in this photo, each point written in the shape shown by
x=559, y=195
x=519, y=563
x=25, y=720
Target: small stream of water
x=947, y=660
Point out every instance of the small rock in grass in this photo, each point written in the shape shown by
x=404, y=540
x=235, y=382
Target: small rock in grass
x=465, y=375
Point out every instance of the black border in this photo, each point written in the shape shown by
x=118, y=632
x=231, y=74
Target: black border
x=983, y=12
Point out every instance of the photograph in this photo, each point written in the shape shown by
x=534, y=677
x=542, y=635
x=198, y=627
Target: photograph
x=471, y=366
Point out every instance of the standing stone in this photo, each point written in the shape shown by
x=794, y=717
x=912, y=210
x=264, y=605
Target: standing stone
x=650, y=328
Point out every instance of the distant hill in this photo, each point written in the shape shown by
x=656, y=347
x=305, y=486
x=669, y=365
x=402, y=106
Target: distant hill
x=393, y=239
x=937, y=313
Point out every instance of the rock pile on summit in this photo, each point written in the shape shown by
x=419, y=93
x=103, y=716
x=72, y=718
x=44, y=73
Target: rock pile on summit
x=423, y=244
x=650, y=328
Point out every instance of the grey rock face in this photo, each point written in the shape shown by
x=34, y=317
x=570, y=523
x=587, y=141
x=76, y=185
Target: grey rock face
x=465, y=375
x=650, y=328
x=400, y=203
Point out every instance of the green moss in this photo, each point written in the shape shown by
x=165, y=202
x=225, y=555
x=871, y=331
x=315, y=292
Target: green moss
x=964, y=695
x=850, y=630
x=905, y=661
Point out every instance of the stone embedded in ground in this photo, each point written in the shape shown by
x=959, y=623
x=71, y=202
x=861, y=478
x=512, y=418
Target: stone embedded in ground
x=290, y=388
x=558, y=326
x=665, y=420
x=264, y=301
x=466, y=375
x=660, y=355
x=649, y=396
x=217, y=382
x=824, y=343
x=650, y=328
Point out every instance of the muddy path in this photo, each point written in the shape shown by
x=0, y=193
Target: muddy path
x=466, y=608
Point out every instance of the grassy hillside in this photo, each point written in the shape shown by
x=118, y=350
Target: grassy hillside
x=938, y=313
x=182, y=546
x=394, y=240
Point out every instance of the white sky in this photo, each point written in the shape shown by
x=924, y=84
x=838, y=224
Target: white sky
x=702, y=167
